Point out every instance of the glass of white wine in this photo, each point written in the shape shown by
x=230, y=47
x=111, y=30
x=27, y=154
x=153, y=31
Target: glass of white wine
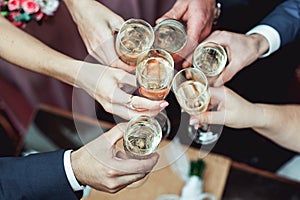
x=142, y=137
x=190, y=88
x=134, y=37
x=170, y=35
x=211, y=59
x=154, y=75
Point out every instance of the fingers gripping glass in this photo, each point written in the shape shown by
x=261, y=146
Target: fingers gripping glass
x=190, y=88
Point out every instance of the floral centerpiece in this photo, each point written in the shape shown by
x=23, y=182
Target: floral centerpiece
x=20, y=12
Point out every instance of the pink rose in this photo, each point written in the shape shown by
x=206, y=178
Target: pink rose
x=13, y=4
x=39, y=15
x=30, y=6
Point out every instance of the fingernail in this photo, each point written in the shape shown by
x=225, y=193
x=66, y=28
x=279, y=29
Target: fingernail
x=164, y=104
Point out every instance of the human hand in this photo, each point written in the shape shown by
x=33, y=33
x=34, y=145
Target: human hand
x=98, y=165
x=232, y=110
x=97, y=28
x=105, y=84
x=241, y=50
x=199, y=17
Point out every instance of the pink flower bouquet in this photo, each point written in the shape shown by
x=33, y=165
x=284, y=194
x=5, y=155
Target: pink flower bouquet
x=20, y=12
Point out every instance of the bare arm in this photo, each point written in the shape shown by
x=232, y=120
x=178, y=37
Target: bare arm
x=279, y=123
x=24, y=50
x=101, y=82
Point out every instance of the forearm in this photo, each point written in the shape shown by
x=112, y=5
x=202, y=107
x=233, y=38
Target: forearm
x=24, y=50
x=280, y=123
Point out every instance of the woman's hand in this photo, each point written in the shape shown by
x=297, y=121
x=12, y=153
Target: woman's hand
x=232, y=110
x=107, y=85
x=97, y=25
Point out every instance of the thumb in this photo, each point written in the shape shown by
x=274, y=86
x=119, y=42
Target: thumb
x=116, y=133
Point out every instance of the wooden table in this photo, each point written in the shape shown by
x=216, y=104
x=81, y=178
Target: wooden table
x=166, y=181
x=223, y=177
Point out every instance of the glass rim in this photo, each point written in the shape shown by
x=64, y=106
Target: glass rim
x=147, y=51
x=172, y=23
x=223, y=52
x=149, y=119
x=137, y=20
x=179, y=73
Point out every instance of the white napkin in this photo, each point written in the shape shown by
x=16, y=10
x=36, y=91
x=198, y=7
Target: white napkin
x=193, y=188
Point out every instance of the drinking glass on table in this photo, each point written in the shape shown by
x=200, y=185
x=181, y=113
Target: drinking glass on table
x=190, y=88
x=134, y=37
x=154, y=74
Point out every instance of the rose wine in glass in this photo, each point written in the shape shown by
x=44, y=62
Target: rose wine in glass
x=154, y=75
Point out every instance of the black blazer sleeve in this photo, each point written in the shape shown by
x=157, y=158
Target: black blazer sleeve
x=38, y=176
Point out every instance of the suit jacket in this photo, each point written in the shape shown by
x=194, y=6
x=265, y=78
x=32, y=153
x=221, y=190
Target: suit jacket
x=285, y=18
x=39, y=176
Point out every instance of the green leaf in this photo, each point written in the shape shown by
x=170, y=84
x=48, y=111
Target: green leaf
x=4, y=13
x=23, y=17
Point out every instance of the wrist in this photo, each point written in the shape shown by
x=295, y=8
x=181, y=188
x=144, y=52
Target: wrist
x=75, y=163
x=260, y=43
x=272, y=36
x=261, y=118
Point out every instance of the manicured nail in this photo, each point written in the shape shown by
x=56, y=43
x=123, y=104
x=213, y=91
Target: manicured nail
x=164, y=104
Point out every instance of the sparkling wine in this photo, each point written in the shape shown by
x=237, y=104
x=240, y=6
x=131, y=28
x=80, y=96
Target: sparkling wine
x=132, y=40
x=210, y=58
x=142, y=137
x=193, y=97
x=154, y=93
x=154, y=77
x=170, y=35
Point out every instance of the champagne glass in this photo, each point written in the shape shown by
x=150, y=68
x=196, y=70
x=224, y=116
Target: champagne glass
x=211, y=59
x=190, y=88
x=170, y=35
x=134, y=37
x=142, y=137
x=154, y=74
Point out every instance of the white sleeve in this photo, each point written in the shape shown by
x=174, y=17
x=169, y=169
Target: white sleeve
x=69, y=172
x=270, y=34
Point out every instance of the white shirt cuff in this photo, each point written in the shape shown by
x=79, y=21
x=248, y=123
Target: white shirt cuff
x=270, y=34
x=69, y=172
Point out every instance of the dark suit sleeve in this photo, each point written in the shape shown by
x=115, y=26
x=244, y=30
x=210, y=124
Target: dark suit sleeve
x=285, y=18
x=38, y=176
